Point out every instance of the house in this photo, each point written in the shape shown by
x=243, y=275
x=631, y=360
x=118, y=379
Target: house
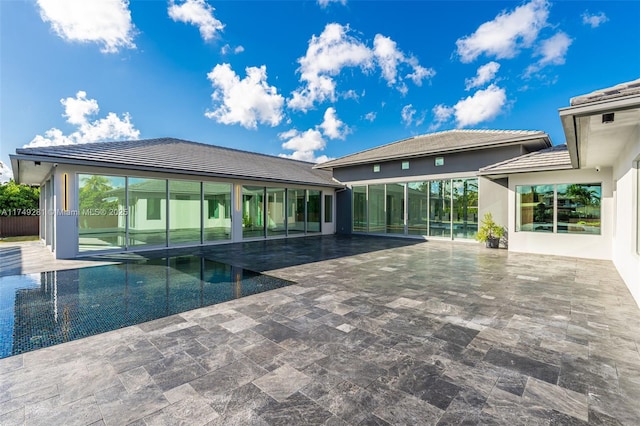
x=140, y=195
x=579, y=199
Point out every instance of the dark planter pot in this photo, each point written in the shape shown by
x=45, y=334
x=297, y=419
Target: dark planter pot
x=493, y=243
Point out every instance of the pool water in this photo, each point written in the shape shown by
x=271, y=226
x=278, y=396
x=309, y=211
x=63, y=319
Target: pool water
x=41, y=310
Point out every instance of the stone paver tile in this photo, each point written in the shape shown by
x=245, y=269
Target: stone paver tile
x=122, y=405
x=15, y=417
x=345, y=327
x=282, y=382
x=524, y=365
x=193, y=411
x=218, y=357
x=295, y=410
x=180, y=392
x=239, y=324
x=409, y=411
x=10, y=365
x=50, y=412
x=228, y=378
x=503, y=337
x=30, y=398
x=555, y=397
x=403, y=302
x=505, y=408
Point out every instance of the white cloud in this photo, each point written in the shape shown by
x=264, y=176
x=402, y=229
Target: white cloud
x=407, y=114
x=504, y=36
x=198, y=13
x=387, y=56
x=481, y=106
x=5, y=173
x=246, y=102
x=326, y=56
x=78, y=110
x=224, y=50
x=324, y=3
x=304, y=145
x=551, y=51
x=485, y=74
x=370, y=116
x=335, y=49
x=594, y=20
x=106, y=22
x=442, y=114
x=332, y=126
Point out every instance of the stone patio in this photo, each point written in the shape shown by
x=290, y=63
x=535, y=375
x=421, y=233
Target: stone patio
x=376, y=331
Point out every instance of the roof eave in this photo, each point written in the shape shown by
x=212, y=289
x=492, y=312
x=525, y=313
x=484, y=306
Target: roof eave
x=541, y=136
x=504, y=172
x=569, y=117
x=16, y=158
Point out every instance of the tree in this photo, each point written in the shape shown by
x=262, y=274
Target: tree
x=18, y=197
x=93, y=193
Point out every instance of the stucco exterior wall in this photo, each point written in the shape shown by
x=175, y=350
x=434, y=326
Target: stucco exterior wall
x=457, y=162
x=561, y=244
x=627, y=215
x=492, y=198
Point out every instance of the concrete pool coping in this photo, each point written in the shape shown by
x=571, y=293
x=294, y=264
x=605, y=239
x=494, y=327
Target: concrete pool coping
x=377, y=331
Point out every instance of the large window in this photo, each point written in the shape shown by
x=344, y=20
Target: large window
x=417, y=212
x=534, y=208
x=184, y=212
x=102, y=212
x=440, y=208
x=566, y=208
x=217, y=211
x=328, y=208
x=147, y=212
x=579, y=208
x=395, y=208
x=465, y=208
x=252, y=211
x=276, y=211
x=295, y=211
x=313, y=210
x=359, y=208
x=376, y=209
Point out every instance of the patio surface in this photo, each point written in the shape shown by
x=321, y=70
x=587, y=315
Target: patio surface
x=377, y=331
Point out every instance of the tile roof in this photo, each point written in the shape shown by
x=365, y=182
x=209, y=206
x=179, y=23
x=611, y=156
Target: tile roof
x=554, y=158
x=185, y=157
x=440, y=142
x=617, y=91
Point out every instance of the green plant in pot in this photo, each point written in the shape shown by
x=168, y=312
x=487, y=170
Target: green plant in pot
x=490, y=232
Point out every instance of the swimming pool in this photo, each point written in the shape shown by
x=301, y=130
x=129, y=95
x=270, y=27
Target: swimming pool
x=41, y=310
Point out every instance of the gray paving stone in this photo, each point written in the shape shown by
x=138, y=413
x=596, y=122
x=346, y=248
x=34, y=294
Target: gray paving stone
x=451, y=336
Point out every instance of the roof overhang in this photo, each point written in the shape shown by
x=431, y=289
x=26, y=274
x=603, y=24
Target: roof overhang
x=532, y=142
x=34, y=169
x=591, y=140
x=499, y=174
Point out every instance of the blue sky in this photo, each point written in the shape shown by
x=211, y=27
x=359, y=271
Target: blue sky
x=306, y=79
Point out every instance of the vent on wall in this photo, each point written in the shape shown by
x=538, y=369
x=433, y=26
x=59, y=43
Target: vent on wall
x=608, y=117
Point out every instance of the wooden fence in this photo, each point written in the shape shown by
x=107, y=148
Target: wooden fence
x=17, y=226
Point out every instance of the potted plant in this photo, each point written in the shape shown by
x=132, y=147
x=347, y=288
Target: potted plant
x=490, y=232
